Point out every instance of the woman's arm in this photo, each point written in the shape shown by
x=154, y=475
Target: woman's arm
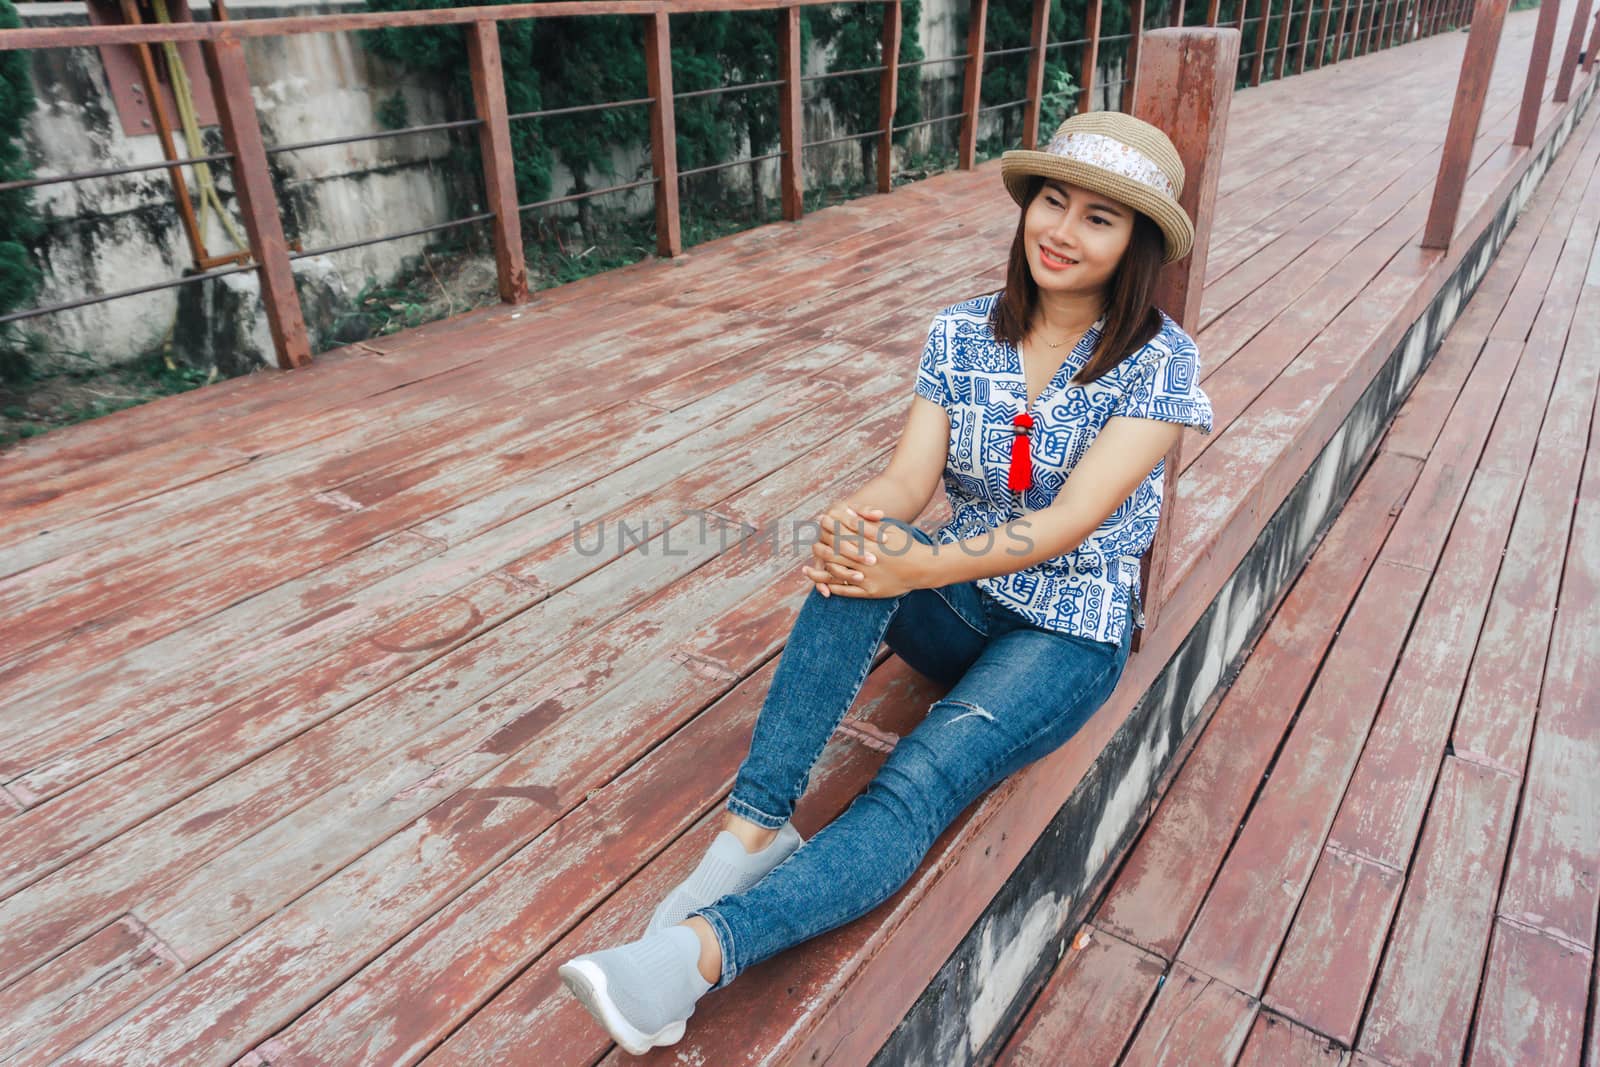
x=914, y=472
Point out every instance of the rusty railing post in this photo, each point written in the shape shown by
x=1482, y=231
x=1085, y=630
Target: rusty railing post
x=972, y=89
x=1284, y=22
x=1186, y=87
x=888, y=93
x=1091, y=57
x=1322, y=36
x=1544, y=36
x=1038, y=37
x=1259, y=59
x=791, y=131
x=1471, y=87
x=499, y=173
x=1130, y=69
x=1305, y=37
x=1569, y=55
x=663, y=132
x=163, y=124
x=1594, y=42
x=258, y=204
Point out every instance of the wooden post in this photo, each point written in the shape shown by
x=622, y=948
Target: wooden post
x=1038, y=37
x=163, y=124
x=1091, y=57
x=1212, y=13
x=1283, y=38
x=1260, y=56
x=888, y=93
x=1322, y=38
x=1569, y=55
x=1544, y=36
x=1130, y=80
x=1477, y=62
x=494, y=143
x=791, y=131
x=1357, y=29
x=258, y=204
x=1338, y=29
x=972, y=91
x=1305, y=37
x=1594, y=42
x=663, y=132
x=1186, y=87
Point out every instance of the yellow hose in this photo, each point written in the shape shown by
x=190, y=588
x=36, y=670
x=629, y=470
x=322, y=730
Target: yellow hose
x=181, y=91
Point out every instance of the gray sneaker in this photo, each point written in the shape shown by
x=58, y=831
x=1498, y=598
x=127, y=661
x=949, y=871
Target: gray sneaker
x=642, y=992
x=726, y=868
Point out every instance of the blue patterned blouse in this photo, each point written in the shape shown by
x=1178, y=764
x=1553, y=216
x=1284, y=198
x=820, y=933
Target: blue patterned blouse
x=979, y=382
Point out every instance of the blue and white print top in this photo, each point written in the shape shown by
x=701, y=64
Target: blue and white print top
x=979, y=382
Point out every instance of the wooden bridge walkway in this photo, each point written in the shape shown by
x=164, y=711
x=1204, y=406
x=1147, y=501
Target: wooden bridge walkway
x=322, y=742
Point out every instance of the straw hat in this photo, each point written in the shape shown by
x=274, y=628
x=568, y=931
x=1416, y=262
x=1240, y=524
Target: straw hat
x=1125, y=158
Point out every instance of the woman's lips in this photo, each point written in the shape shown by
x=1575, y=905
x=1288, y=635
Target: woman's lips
x=1053, y=261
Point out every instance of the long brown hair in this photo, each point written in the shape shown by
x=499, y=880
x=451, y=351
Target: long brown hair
x=1131, y=315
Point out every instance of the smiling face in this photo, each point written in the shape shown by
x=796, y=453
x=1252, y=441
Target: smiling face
x=1074, y=238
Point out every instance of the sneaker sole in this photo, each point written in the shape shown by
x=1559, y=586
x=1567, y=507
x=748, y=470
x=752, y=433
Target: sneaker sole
x=588, y=983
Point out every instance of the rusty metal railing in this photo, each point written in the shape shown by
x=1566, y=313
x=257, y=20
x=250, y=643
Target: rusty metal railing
x=1353, y=27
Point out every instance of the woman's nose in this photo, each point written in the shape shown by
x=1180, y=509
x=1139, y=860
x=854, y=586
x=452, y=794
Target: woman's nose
x=1065, y=229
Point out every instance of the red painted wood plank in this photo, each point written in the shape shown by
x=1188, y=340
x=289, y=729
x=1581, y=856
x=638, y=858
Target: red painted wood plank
x=1327, y=947
x=1383, y=807
x=1530, y=1009
x=1423, y=999
x=1248, y=910
x=1279, y=1042
x=1159, y=889
x=48, y=1011
x=1496, y=715
x=1090, y=1006
x=502, y=548
x=1195, y=1019
x=1553, y=882
x=702, y=454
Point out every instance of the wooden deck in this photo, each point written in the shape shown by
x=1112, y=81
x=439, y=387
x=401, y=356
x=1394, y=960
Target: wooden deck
x=321, y=742
x=1388, y=837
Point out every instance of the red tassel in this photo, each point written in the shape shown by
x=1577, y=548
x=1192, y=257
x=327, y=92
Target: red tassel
x=1021, y=475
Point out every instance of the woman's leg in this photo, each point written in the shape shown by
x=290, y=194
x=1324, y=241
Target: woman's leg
x=821, y=670
x=1027, y=694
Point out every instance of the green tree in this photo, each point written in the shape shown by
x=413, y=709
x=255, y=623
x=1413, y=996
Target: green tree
x=19, y=225
x=853, y=35
x=442, y=53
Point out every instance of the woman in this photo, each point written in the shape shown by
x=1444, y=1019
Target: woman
x=1025, y=602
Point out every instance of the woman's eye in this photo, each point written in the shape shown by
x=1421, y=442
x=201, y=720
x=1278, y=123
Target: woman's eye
x=1098, y=218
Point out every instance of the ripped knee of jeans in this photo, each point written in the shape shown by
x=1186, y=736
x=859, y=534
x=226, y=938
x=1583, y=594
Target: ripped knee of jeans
x=972, y=709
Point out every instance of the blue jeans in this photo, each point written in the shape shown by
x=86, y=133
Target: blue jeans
x=1019, y=692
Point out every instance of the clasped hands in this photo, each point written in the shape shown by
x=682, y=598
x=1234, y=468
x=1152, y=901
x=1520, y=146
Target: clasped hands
x=859, y=555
